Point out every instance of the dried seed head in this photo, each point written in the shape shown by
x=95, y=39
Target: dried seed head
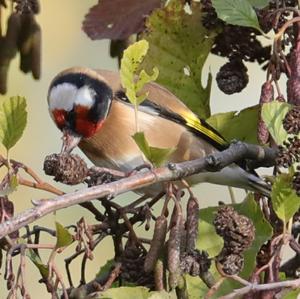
x=195, y=262
x=231, y=263
x=296, y=181
x=289, y=153
x=133, y=259
x=66, y=168
x=291, y=122
x=232, y=76
x=237, y=230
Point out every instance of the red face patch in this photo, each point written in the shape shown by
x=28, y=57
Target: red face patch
x=59, y=116
x=83, y=125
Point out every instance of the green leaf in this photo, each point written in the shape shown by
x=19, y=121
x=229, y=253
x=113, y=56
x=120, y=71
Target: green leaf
x=160, y=155
x=273, y=114
x=259, y=3
x=157, y=156
x=179, y=46
x=13, y=119
x=144, y=78
x=64, y=238
x=125, y=293
x=237, y=125
x=294, y=294
x=196, y=287
x=132, y=81
x=142, y=143
x=38, y=263
x=208, y=239
x=13, y=184
x=162, y=295
x=284, y=199
x=236, y=12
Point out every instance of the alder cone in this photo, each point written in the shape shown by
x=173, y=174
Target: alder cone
x=66, y=168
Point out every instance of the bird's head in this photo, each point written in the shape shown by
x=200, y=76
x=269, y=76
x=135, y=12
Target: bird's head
x=79, y=100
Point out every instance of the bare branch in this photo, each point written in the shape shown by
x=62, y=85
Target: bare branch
x=236, y=152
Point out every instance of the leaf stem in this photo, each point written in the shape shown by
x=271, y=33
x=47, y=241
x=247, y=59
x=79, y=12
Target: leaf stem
x=136, y=118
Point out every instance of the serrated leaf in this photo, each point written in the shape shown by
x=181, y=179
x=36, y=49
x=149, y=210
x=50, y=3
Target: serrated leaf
x=38, y=263
x=240, y=125
x=132, y=58
x=236, y=12
x=13, y=119
x=145, y=78
x=179, y=46
x=157, y=156
x=273, y=114
x=284, y=199
x=259, y=3
x=63, y=237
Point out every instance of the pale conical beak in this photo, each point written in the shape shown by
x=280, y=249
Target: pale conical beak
x=70, y=141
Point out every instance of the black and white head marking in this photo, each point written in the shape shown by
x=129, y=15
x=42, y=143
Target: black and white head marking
x=79, y=89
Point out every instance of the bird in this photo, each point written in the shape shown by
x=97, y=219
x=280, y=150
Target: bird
x=92, y=110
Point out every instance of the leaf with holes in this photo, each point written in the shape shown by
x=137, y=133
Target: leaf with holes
x=117, y=19
x=133, y=80
x=284, y=198
x=64, y=238
x=13, y=119
x=179, y=46
x=236, y=12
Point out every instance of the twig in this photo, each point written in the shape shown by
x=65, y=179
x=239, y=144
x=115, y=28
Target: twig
x=262, y=287
x=112, y=276
x=214, y=162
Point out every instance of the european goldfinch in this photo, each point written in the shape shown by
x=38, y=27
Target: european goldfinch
x=92, y=110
